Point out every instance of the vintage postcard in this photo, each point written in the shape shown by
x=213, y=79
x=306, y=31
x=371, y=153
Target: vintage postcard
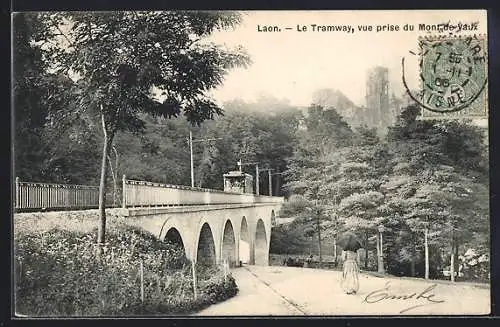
x=250, y=163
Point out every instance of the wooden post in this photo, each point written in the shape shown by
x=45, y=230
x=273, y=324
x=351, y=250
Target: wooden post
x=142, y=282
x=124, y=204
x=195, y=286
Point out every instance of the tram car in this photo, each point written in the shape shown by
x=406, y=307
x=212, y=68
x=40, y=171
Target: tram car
x=238, y=182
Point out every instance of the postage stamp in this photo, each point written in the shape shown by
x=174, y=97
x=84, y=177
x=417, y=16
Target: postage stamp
x=453, y=72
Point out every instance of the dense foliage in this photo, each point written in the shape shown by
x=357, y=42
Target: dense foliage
x=58, y=275
x=161, y=152
x=423, y=177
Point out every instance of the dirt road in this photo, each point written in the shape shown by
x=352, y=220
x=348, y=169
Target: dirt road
x=289, y=291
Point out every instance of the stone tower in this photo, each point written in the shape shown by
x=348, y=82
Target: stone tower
x=377, y=97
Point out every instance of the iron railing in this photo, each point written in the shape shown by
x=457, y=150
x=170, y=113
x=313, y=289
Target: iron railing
x=31, y=195
x=135, y=193
x=143, y=193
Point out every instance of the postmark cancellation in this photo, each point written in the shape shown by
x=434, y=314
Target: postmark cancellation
x=453, y=77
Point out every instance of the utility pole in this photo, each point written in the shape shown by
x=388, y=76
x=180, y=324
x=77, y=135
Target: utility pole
x=191, y=141
x=257, y=179
x=241, y=164
x=276, y=184
x=270, y=181
x=191, y=155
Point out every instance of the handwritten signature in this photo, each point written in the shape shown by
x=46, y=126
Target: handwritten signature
x=385, y=293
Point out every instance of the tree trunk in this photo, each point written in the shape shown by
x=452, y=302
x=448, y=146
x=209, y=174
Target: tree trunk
x=382, y=253
x=452, y=265
x=366, y=250
x=454, y=252
x=413, y=260
x=319, y=241
x=335, y=251
x=116, y=173
x=457, y=262
x=108, y=139
x=378, y=251
x=380, y=261
x=426, y=245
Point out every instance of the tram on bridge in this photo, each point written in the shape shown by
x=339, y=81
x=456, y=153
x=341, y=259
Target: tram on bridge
x=238, y=182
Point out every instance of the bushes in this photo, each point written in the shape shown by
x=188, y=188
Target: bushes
x=216, y=287
x=58, y=274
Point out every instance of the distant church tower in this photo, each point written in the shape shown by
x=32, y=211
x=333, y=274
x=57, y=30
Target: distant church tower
x=377, y=97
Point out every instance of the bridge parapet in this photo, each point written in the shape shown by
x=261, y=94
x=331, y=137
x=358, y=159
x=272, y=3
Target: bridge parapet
x=37, y=196
x=143, y=193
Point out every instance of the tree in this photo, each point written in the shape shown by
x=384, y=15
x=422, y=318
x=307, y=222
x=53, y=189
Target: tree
x=307, y=220
x=120, y=58
x=251, y=136
x=416, y=149
x=287, y=239
x=30, y=85
x=27, y=95
x=437, y=190
x=321, y=137
x=354, y=184
x=159, y=154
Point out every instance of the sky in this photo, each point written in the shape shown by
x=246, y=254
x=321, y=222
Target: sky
x=292, y=65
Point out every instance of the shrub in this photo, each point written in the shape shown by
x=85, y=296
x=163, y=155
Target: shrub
x=217, y=288
x=58, y=274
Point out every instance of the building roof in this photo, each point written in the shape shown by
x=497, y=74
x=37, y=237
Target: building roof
x=236, y=173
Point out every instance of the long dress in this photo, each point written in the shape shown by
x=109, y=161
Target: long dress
x=350, y=280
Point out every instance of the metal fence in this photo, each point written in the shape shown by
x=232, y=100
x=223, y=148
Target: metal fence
x=142, y=193
x=53, y=196
x=134, y=193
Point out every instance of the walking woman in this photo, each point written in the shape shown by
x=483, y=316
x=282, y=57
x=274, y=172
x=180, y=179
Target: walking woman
x=350, y=279
x=350, y=245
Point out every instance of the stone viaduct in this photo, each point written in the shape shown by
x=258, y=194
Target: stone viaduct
x=213, y=226
x=212, y=234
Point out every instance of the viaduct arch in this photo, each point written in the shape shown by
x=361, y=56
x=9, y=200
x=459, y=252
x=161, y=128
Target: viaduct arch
x=212, y=234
